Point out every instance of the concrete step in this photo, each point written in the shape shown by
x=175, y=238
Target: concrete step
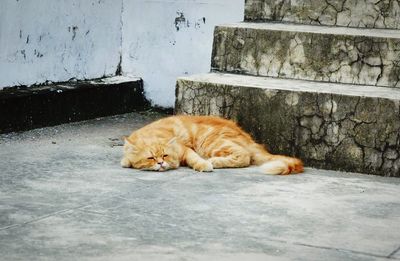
x=353, y=13
x=321, y=53
x=329, y=126
x=23, y=108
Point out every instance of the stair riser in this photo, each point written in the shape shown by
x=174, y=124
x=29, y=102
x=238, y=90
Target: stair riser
x=308, y=56
x=352, y=13
x=327, y=131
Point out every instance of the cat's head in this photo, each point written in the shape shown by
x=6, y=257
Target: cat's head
x=152, y=154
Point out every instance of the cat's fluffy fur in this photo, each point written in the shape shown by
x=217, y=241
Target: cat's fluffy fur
x=203, y=143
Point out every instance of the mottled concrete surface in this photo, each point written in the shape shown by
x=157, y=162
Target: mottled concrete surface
x=319, y=53
x=351, y=13
x=63, y=196
x=330, y=126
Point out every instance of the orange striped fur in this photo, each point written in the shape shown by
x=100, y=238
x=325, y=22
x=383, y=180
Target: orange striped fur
x=203, y=143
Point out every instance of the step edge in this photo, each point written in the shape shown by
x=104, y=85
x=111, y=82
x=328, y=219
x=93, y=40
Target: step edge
x=316, y=29
x=353, y=90
x=23, y=90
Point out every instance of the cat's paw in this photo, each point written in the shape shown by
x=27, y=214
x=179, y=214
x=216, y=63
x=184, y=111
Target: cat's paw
x=204, y=166
x=125, y=163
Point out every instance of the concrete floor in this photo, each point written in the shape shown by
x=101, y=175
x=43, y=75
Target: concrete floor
x=63, y=196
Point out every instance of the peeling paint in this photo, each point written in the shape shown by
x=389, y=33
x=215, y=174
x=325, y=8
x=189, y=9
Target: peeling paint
x=180, y=20
x=23, y=53
x=74, y=30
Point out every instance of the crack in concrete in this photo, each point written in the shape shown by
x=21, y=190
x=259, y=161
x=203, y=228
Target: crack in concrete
x=341, y=250
x=391, y=255
x=45, y=217
x=81, y=207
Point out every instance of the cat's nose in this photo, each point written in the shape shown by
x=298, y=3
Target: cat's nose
x=160, y=162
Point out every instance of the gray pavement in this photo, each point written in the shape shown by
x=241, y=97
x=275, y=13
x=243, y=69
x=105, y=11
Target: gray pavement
x=63, y=196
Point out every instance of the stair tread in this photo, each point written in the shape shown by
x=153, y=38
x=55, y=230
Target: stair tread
x=295, y=85
x=318, y=29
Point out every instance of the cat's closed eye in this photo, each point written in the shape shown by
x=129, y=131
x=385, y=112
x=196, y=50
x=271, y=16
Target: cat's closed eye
x=164, y=156
x=151, y=158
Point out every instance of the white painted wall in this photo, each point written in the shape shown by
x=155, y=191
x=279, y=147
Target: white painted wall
x=56, y=40
x=154, y=49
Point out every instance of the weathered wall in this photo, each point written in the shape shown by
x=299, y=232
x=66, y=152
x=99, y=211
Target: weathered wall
x=55, y=41
x=51, y=40
x=166, y=39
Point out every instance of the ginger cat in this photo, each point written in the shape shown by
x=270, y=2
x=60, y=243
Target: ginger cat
x=203, y=143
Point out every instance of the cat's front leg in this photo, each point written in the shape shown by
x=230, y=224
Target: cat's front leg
x=196, y=162
x=125, y=163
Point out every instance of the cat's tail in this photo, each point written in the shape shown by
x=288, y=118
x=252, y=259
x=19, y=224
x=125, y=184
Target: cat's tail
x=275, y=164
x=282, y=165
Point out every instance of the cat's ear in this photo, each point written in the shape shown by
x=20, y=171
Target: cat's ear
x=129, y=145
x=124, y=138
x=172, y=142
